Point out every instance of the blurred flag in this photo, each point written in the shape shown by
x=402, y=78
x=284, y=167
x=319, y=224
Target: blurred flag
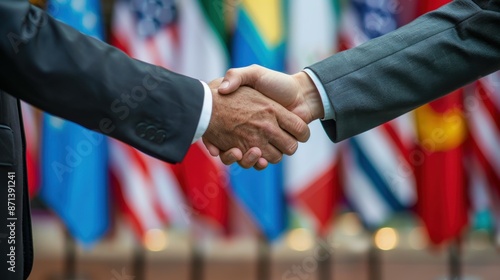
x=483, y=109
x=259, y=38
x=147, y=191
x=484, y=118
x=442, y=195
x=74, y=169
x=312, y=174
x=31, y=122
x=205, y=183
x=186, y=37
x=178, y=35
x=378, y=179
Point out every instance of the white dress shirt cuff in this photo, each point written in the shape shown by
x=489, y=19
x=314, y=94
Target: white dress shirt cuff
x=206, y=113
x=327, y=104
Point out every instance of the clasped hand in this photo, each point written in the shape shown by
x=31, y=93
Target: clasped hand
x=259, y=114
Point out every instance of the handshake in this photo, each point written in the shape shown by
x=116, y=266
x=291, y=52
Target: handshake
x=259, y=114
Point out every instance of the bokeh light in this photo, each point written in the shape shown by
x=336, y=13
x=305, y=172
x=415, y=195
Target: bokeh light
x=156, y=240
x=386, y=239
x=300, y=239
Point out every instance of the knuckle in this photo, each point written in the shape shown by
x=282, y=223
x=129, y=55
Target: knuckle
x=225, y=160
x=231, y=72
x=275, y=158
x=291, y=148
x=304, y=132
x=268, y=129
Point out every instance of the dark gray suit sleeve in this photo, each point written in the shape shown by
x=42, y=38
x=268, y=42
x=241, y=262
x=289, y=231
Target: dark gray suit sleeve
x=68, y=74
x=393, y=74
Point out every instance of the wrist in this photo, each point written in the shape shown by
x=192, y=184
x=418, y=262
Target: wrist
x=311, y=96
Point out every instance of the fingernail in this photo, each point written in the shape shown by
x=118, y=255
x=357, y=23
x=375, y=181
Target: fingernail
x=252, y=157
x=224, y=85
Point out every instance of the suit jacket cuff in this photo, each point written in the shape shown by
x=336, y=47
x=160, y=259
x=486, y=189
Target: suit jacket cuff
x=206, y=113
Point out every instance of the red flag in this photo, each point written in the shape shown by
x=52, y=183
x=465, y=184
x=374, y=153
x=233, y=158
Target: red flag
x=31, y=128
x=441, y=181
x=205, y=183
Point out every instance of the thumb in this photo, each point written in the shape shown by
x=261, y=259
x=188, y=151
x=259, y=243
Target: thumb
x=236, y=77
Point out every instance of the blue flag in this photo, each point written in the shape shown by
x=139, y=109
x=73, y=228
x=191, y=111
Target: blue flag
x=74, y=159
x=260, y=40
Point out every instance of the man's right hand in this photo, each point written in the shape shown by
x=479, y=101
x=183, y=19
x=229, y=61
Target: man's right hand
x=247, y=120
x=295, y=92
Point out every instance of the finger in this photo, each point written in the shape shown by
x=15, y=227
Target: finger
x=280, y=140
x=250, y=158
x=212, y=150
x=271, y=154
x=261, y=164
x=237, y=77
x=231, y=156
x=293, y=124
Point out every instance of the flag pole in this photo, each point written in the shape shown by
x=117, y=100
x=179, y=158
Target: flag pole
x=70, y=256
x=263, y=258
x=454, y=261
x=325, y=265
x=196, y=261
x=374, y=271
x=139, y=261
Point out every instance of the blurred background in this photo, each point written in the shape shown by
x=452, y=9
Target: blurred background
x=416, y=198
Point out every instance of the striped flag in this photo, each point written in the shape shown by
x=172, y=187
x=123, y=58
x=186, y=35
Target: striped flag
x=378, y=178
x=181, y=36
x=74, y=169
x=146, y=189
x=483, y=110
x=312, y=180
x=484, y=119
x=259, y=38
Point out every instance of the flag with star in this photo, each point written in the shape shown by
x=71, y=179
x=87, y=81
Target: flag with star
x=186, y=37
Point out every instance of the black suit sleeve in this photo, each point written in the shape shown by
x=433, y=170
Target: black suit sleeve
x=58, y=69
x=393, y=74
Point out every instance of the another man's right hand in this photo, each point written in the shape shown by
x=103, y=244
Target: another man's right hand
x=297, y=93
x=249, y=126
